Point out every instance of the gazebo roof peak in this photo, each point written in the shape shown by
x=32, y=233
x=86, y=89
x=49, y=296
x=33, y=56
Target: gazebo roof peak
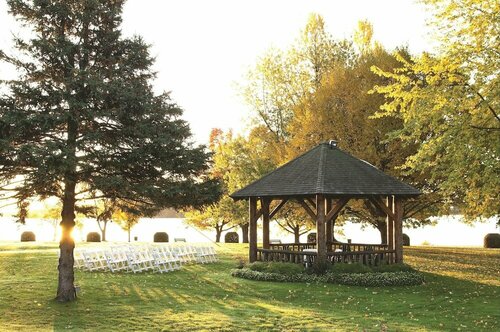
x=327, y=170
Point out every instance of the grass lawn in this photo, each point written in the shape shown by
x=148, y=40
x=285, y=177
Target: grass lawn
x=462, y=292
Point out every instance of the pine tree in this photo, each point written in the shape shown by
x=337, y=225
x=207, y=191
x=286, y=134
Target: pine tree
x=82, y=120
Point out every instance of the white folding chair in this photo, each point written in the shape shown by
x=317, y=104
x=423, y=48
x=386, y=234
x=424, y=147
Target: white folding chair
x=203, y=256
x=212, y=253
x=192, y=253
x=182, y=254
x=139, y=259
x=163, y=260
x=95, y=260
x=116, y=259
x=79, y=260
x=171, y=257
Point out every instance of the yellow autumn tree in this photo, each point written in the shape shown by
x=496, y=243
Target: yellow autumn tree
x=449, y=102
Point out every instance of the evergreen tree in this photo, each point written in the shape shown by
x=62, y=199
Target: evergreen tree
x=82, y=120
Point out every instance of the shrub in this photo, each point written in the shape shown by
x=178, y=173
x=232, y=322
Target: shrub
x=241, y=264
x=28, y=237
x=284, y=268
x=231, y=237
x=349, y=268
x=377, y=279
x=311, y=238
x=352, y=279
x=257, y=266
x=267, y=276
x=160, y=237
x=492, y=240
x=319, y=268
x=276, y=267
x=93, y=237
x=406, y=240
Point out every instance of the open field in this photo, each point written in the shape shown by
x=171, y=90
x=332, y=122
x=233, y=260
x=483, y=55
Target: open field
x=462, y=292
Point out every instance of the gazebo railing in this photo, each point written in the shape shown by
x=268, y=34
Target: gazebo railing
x=333, y=246
x=286, y=256
x=336, y=246
x=371, y=258
x=292, y=246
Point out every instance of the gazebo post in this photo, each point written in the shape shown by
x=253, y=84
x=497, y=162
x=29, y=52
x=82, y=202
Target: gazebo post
x=329, y=223
x=320, y=229
x=390, y=224
x=265, y=202
x=252, y=229
x=398, y=229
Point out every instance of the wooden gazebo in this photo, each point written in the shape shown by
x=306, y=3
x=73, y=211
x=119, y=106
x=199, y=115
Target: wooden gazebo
x=322, y=181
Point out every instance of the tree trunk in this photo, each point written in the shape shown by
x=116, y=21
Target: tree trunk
x=296, y=234
x=128, y=231
x=244, y=230
x=103, y=230
x=382, y=228
x=218, y=233
x=66, y=288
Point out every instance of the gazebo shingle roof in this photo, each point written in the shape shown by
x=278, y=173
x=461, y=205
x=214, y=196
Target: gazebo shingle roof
x=327, y=170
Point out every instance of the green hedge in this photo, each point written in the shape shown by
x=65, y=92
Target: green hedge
x=371, y=279
x=280, y=268
x=348, y=268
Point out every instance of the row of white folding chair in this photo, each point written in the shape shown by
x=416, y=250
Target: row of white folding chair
x=114, y=259
x=98, y=260
x=143, y=258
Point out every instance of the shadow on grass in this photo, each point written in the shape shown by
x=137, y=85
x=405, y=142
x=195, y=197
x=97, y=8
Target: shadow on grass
x=206, y=297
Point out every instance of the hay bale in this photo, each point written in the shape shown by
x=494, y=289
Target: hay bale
x=232, y=237
x=492, y=240
x=28, y=237
x=160, y=237
x=406, y=240
x=93, y=237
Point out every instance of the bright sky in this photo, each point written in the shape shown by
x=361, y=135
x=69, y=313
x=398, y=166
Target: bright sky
x=204, y=48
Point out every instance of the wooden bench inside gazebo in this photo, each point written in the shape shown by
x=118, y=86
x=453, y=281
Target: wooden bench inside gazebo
x=322, y=181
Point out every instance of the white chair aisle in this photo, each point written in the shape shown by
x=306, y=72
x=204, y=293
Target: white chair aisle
x=160, y=258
